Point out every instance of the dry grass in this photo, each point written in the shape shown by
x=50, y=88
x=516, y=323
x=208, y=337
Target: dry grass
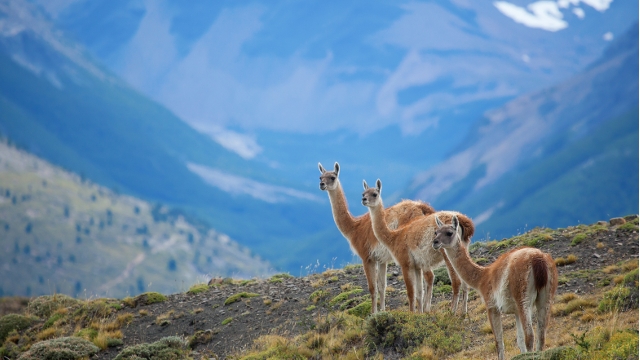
x=571, y=258
x=610, y=269
x=566, y=297
x=47, y=333
x=318, y=283
x=629, y=265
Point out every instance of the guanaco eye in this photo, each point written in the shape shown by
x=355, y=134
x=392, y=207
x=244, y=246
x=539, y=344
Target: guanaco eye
x=375, y=195
x=449, y=233
x=333, y=178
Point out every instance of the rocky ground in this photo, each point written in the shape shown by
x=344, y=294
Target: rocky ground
x=223, y=320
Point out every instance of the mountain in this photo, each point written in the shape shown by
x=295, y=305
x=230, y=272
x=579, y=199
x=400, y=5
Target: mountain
x=561, y=155
x=64, y=234
x=59, y=104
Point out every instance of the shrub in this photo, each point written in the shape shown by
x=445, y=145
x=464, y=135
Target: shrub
x=318, y=294
x=578, y=239
x=227, y=320
x=344, y=296
x=361, y=310
x=558, y=353
x=44, y=306
x=168, y=348
x=11, y=322
x=614, y=299
x=65, y=348
x=235, y=298
x=197, y=289
x=403, y=332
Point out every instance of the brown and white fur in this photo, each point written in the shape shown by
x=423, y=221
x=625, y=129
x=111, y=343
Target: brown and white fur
x=411, y=248
x=516, y=282
x=357, y=230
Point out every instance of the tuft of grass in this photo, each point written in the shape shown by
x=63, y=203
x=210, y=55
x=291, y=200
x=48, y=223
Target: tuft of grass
x=352, y=267
x=235, y=298
x=143, y=312
x=578, y=239
x=344, y=296
x=318, y=294
x=197, y=289
x=171, y=347
x=278, y=278
x=310, y=308
x=227, y=320
x=47, y=333
x=614, y=299
x=628, y=226
x=629, y=265
x=164, y=319
x=201, y=337
x=566, y=297
x=571, y=258
x=361, y=310
x=61, y=348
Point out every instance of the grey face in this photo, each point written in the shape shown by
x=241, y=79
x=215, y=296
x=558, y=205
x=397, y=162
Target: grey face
x=446, y=235
x=329, y=179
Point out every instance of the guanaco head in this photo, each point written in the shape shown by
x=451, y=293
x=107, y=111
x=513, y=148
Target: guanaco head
x=446, y=235
x=329, y=179
x=371, y=196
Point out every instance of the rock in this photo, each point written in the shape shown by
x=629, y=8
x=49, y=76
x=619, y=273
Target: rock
x=215, y=281
x=603, y=223
x=617, y=221
x=596, y=256
x=630, y=217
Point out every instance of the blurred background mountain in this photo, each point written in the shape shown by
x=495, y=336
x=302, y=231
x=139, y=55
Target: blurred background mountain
x=520, y=114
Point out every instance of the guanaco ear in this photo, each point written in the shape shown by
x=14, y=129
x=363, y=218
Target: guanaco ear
x=439, y=223
x=455, y=223
x=379, y=185
x=322, y=170
x=336, y=168
x=364, y=184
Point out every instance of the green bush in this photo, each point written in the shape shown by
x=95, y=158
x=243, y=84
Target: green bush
x=168, y=348
x=235, y=298
x=441, y=276
x=614, y=299
x=558, y=353
x=318, y=294
x=11, y=322
x=64, y=348
x=403, y=332
x=361, y=310
x=44, y=306
x=227, y=320
x=578, y=239
x=197, y=289
x=344, y=296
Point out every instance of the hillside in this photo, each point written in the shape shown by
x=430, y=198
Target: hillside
x=551, y=158
x=64, y=234
x=323, y=314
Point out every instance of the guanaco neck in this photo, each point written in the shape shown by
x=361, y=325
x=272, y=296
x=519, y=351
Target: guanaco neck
x=469, y=271
x=341, y=215
x=379, y=224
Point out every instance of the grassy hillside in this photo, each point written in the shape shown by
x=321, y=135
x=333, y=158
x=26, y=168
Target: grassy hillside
x=63, y=234
x=326, y=314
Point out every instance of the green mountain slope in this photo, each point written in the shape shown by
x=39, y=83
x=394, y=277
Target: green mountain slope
x=85, y=120
x=596, y=177
x=62, y=234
